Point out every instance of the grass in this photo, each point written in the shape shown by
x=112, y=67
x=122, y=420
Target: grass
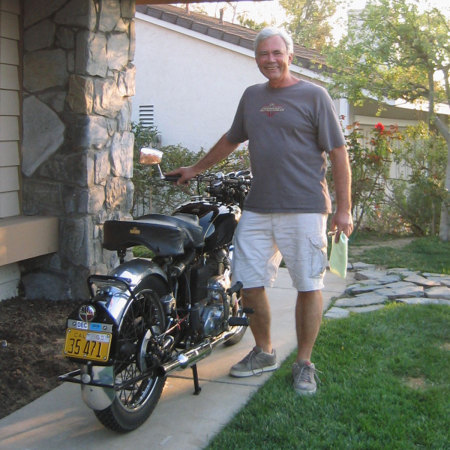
x=427, y=254
x=384, y=380
x=384, y=384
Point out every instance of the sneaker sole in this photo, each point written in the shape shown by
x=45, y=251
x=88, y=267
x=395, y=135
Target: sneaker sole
x=304, y=392
x=250, y=373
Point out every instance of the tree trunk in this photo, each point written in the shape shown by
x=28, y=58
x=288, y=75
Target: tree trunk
x=444, y=228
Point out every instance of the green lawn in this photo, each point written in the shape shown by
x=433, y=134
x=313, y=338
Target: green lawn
x=425, y=254
x=384, y=385
x=384, y=378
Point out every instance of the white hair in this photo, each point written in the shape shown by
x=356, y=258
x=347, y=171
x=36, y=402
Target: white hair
x=268, y=32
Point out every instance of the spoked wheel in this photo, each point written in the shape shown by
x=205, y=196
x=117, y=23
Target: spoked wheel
x=236, y=311
x=136, y=395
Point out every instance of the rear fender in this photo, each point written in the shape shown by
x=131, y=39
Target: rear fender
x=114, y=291
x=98, y=398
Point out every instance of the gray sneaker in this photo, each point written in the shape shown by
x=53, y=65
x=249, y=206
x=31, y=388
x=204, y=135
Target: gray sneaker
x=255, y=363
x=304, y=375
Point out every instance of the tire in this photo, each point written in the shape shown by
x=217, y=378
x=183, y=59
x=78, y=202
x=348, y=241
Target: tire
x=134, y=403
x=240, y=330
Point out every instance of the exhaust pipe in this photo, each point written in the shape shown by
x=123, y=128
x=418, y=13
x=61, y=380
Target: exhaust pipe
x=192, y=356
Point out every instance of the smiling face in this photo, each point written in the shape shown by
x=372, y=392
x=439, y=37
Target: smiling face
x=273, y=61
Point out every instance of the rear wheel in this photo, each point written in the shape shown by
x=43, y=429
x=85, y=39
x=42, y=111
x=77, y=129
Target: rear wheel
x=136, y=398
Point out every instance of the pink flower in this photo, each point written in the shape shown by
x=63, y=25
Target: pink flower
x=379, y=126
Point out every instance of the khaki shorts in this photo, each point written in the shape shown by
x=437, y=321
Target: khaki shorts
x=261, y=241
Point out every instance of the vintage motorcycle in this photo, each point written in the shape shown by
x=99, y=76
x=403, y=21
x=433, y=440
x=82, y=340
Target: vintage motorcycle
x=149, y=317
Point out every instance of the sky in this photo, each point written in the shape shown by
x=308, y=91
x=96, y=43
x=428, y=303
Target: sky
x=271, y=10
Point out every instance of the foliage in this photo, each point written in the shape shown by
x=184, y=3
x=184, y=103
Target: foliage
x=409, y=203
x=247, y=22
x=397, y=60
x=151, y=194
x=407, y=58
x=308, y=21
x=383, y=384
x=419, y=198
x=370, y=160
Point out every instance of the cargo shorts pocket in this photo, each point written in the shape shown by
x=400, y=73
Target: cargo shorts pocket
x=318, y=248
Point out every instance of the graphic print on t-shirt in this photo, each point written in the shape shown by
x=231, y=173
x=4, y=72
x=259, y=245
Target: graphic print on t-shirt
x=271, y=109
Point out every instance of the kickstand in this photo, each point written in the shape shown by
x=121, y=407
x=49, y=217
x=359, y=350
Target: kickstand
x=197, y=388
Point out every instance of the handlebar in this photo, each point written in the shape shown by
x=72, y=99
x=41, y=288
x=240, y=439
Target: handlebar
x=229, y=188
x=172, y=178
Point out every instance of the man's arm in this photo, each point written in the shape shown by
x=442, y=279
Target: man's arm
x=342, y=177
x=218, y=152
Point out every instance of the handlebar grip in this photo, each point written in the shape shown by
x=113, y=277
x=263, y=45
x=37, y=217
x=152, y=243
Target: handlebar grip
x=172, y=178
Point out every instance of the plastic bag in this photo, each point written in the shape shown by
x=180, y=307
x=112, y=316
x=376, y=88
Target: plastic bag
x=339, y=256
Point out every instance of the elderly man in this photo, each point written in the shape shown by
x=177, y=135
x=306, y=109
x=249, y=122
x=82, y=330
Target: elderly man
x=291, y=126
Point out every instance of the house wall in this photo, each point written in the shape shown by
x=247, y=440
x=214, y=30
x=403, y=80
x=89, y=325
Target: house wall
x=77, y=145
x=9, y=132
x=194, y=82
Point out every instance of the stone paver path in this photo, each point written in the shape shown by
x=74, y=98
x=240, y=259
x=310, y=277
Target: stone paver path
x=375, y=288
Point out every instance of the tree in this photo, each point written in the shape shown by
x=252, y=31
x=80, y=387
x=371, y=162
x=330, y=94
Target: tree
x=396, y=51
x=308, y=21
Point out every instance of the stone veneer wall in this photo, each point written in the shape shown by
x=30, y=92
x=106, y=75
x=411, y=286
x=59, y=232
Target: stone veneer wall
x=77, y=146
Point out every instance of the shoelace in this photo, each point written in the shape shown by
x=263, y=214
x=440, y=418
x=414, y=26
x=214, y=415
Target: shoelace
x=308, y=373
x=249, y=359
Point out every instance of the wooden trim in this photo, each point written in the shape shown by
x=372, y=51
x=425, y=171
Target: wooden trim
x=24, y=237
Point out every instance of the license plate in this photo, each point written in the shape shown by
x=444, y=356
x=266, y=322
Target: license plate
x=87, y=344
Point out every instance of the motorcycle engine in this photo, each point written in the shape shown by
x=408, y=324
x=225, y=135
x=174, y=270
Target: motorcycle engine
x=216, y=308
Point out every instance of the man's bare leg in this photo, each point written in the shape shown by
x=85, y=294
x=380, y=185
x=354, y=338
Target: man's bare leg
x=308, y=317
x=256, y=299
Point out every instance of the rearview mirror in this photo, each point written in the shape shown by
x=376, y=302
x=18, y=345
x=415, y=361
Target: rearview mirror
x=150, y=156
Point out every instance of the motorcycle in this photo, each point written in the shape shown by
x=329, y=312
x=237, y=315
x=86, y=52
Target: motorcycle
x=151, y=316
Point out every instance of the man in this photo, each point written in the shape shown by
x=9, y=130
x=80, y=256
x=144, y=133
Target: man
x=291, y=126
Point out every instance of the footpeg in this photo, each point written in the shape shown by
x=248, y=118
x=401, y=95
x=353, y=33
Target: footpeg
x=235, y=288
x=248, y=310
x=238, y=322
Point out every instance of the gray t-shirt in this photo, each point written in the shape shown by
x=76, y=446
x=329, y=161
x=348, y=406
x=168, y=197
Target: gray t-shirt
x=289, y=130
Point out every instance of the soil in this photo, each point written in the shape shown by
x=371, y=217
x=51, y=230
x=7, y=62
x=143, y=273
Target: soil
x=31, y=344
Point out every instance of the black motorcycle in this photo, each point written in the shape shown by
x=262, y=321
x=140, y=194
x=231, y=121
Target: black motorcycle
x=151, y=316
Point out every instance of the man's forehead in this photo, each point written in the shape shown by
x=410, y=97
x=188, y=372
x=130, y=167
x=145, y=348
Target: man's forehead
x=274, y=42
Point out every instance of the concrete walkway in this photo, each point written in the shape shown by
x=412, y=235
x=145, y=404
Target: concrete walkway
x=60, y=419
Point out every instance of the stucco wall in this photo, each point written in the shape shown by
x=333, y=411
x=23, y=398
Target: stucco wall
x=194, y=85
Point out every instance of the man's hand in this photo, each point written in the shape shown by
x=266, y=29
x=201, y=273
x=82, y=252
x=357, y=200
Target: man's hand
x=186, y=173
x=341, y=222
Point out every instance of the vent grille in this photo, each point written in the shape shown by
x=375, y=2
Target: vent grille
x=147, y=115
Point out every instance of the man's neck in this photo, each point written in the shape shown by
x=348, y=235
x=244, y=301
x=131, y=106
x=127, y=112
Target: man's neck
x=285, y=82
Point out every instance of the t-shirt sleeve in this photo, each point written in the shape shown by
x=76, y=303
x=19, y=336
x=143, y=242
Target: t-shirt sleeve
x=237, y=132
x=330, y=134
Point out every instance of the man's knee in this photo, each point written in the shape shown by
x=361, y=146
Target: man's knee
x=253, y=296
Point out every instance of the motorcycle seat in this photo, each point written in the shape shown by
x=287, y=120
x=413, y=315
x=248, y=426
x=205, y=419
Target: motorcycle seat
x=162, y=234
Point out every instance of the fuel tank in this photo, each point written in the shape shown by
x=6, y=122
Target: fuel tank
x=218, y=221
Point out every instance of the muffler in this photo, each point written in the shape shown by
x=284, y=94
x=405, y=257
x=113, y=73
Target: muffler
x=194, y=355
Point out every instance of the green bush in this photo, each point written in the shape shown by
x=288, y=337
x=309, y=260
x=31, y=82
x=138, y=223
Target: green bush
x=423, y=153
x=404, y=205
x=153, y=195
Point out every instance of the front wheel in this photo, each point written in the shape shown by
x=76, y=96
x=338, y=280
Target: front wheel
x=136, y=397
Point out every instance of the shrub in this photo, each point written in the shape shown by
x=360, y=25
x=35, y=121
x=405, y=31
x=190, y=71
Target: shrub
x=153, y=195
